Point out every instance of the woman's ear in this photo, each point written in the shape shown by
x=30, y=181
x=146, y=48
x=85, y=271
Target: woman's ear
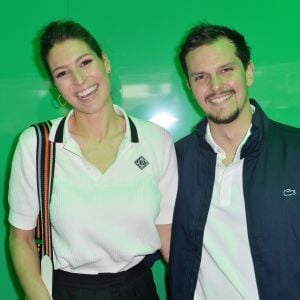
x=106, y=63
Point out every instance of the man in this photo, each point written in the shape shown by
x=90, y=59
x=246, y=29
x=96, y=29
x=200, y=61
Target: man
x=236, y=227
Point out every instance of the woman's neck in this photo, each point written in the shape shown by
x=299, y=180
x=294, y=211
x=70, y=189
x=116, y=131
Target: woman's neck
x=98, y=126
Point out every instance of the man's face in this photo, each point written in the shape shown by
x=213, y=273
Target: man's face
x=219, y=80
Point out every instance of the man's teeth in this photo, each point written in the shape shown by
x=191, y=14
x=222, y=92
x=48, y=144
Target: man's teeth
x=88, y=91
x=220, y=99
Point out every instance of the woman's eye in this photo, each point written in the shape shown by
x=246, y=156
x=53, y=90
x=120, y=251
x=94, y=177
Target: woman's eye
x=86, y=62
x=61, y=74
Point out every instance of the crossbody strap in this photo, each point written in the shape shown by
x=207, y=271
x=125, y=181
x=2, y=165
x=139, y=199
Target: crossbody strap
x=45, y=163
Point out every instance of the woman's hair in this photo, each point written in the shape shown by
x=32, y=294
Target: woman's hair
x=60, y=31
x=205, y=34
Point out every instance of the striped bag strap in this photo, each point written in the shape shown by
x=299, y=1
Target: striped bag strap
x=45, y=163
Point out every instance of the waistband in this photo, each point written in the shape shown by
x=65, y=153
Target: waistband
x=98, y=280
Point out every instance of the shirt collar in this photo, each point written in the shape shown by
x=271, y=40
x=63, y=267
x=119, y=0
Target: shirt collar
x=218, y=150
x=61, y=134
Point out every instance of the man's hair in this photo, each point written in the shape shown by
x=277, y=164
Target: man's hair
x=205, y=34
x=60, y=31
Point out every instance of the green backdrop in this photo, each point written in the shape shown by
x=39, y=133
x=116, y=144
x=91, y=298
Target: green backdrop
x=140, y=38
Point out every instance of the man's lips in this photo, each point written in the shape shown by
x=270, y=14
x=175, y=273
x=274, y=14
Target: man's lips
x=220, y=98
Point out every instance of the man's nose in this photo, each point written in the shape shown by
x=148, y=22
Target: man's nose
x=216, y=82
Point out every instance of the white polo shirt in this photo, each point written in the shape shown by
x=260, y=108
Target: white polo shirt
x=226, y=269
x=100, y=222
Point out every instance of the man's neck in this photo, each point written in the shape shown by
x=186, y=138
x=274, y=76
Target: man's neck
x=229, y=136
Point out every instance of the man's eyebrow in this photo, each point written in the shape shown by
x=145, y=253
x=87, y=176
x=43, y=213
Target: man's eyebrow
x=196, y=73
x=227, y=64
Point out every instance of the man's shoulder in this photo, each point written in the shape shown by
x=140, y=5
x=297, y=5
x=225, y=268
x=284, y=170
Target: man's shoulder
x=283, y=129
x=187, y=140
x=283, y=135
x=187, y=143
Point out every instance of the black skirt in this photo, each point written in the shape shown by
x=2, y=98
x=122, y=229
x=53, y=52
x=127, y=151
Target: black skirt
x=134, y=284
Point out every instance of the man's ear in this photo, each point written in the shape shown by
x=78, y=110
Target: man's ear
x=250, y=74
x=187, y=81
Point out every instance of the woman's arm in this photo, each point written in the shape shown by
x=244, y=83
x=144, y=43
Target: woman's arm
x=26, y=261
x=168, y=187
x=164, y=231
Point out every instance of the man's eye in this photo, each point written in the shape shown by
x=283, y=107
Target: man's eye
x=199, y=77
x=86, y=62
x=227, y=69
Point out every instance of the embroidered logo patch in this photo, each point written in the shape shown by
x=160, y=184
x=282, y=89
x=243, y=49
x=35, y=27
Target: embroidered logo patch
x=141, y=162
x=289, y=192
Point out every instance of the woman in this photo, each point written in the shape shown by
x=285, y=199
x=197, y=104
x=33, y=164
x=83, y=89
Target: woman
x=114, y=184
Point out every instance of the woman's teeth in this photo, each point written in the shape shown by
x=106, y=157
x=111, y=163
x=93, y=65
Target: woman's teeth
x=87, y=91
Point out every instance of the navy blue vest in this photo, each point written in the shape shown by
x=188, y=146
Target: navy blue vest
x=271, y=182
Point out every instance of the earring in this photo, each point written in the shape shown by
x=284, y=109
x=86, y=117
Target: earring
x=62, y=104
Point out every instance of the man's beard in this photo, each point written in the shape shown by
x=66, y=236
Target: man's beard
x=225, y=120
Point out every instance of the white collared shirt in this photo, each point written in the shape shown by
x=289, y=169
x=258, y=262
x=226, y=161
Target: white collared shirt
x=101, y=222
x=226, y=269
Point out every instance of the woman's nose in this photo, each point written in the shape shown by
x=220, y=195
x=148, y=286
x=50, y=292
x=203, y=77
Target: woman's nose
x=78, y=77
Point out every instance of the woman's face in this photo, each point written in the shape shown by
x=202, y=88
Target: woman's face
x=80, y=75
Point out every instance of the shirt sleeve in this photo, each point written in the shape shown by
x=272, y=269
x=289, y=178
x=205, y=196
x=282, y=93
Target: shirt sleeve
x=22, y=194
x=168, y=182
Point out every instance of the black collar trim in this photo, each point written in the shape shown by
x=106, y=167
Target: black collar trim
x=60, y=131
x=134, y=134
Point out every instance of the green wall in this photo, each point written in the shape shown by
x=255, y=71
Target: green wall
x=140, y=38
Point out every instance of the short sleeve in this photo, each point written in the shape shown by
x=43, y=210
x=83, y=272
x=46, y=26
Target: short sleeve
x=22, y=194
x=168, y=181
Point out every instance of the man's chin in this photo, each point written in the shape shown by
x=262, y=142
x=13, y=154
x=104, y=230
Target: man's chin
x=224, y=120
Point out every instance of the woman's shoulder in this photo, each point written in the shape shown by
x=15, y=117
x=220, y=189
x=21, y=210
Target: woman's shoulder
x=29, y=136
x=145, y=127
x=143, y=124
